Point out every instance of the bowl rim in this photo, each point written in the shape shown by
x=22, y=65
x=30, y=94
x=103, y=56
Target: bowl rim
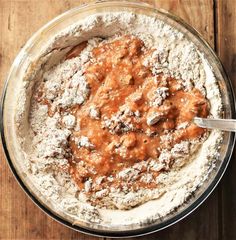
x=147, y=229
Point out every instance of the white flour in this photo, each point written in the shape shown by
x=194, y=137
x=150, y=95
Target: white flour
x=175, y=56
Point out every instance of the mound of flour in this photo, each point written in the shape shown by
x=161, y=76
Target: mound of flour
x=177, y=57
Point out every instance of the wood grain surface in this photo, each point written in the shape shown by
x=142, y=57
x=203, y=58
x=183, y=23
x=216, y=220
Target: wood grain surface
x=20, y=219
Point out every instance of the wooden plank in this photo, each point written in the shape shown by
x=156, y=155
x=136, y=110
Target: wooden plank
x=20, y=218
x=203, y=223
x=226, y=45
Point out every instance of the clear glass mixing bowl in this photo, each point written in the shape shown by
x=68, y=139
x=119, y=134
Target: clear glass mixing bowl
x=30, y=52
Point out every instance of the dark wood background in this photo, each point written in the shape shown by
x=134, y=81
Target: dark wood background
x=215, y=219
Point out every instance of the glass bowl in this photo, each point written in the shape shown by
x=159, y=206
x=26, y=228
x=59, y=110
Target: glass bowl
x=30, y=52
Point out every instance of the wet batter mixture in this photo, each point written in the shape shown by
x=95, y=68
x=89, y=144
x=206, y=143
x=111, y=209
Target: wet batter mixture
x=131, y=124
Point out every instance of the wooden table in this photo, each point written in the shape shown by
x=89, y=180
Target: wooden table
x=20, y=218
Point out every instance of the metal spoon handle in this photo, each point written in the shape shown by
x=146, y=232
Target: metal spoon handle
x=222, y=124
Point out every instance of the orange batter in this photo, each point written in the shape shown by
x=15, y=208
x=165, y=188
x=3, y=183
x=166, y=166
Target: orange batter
x=137, y=115
x=119, y=80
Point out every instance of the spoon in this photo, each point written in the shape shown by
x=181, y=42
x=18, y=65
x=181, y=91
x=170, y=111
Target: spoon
x=222, y=124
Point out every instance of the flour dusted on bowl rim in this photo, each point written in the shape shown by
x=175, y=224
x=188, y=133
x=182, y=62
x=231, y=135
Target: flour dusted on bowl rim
x=111, y=123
